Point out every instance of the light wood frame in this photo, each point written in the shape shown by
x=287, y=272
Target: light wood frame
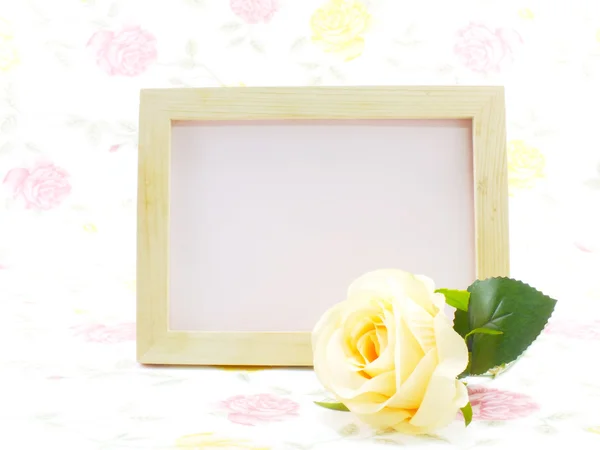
x=159, y=108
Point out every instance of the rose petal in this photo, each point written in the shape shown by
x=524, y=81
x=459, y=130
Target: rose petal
x=410, y=350
x=387, y=418
x=392, y=283
x=376, y=282
x=509, y=36
x=355, y=326
x=397, y=337
x=321, y=336
x=440, y=403
x=352, y=49
x=367, y=346
x=100, y=38
x=451, y=347
x=437, y=299
x=420, y=324
x=345, y=380
x=385, y=361
x=411, y=392
x=243, y=419
x=409, y=396
x=15, y=178
x=372, y=397
x=445, y=395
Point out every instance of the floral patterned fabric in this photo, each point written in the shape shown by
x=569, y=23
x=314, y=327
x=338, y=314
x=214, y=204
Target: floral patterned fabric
x=70, y=74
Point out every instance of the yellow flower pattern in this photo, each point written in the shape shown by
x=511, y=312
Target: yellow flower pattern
x=90, y=228
x=8, y=51
x=526, y=13
x=526, y=165
x=339, y=26
x=200, y=441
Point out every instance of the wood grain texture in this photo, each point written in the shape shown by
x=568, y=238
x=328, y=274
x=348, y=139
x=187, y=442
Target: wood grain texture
x=156, y=344
x=491, y=188
x=152, y=227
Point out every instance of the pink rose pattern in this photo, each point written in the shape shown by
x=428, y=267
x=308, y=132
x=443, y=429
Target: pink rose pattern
x=575, y=330
x=494, y=404
x=483, y=49
x=106, y=334
x=43, y=187
x=128, y=52
x=254, y=11
x=254, y=409
x=587, y=247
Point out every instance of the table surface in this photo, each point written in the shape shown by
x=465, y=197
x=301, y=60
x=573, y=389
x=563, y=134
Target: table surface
x=81, y=388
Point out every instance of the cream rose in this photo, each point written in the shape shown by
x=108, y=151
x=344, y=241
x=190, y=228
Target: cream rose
x=339, y=26
x=390, y=354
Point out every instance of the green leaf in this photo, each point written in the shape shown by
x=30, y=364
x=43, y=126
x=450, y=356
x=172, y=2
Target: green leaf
x=467, y=413
x=483, y=331
x=258, y=46
x=461, y=322
x=333, y=405
x=455, y=298
x=510, y=306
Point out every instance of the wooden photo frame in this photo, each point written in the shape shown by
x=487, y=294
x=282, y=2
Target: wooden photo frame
x=220, y=167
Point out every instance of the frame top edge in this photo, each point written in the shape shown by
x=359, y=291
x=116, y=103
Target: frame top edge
x=434, y=88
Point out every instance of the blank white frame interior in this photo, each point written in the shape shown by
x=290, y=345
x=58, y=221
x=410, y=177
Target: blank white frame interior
x=259, y=206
